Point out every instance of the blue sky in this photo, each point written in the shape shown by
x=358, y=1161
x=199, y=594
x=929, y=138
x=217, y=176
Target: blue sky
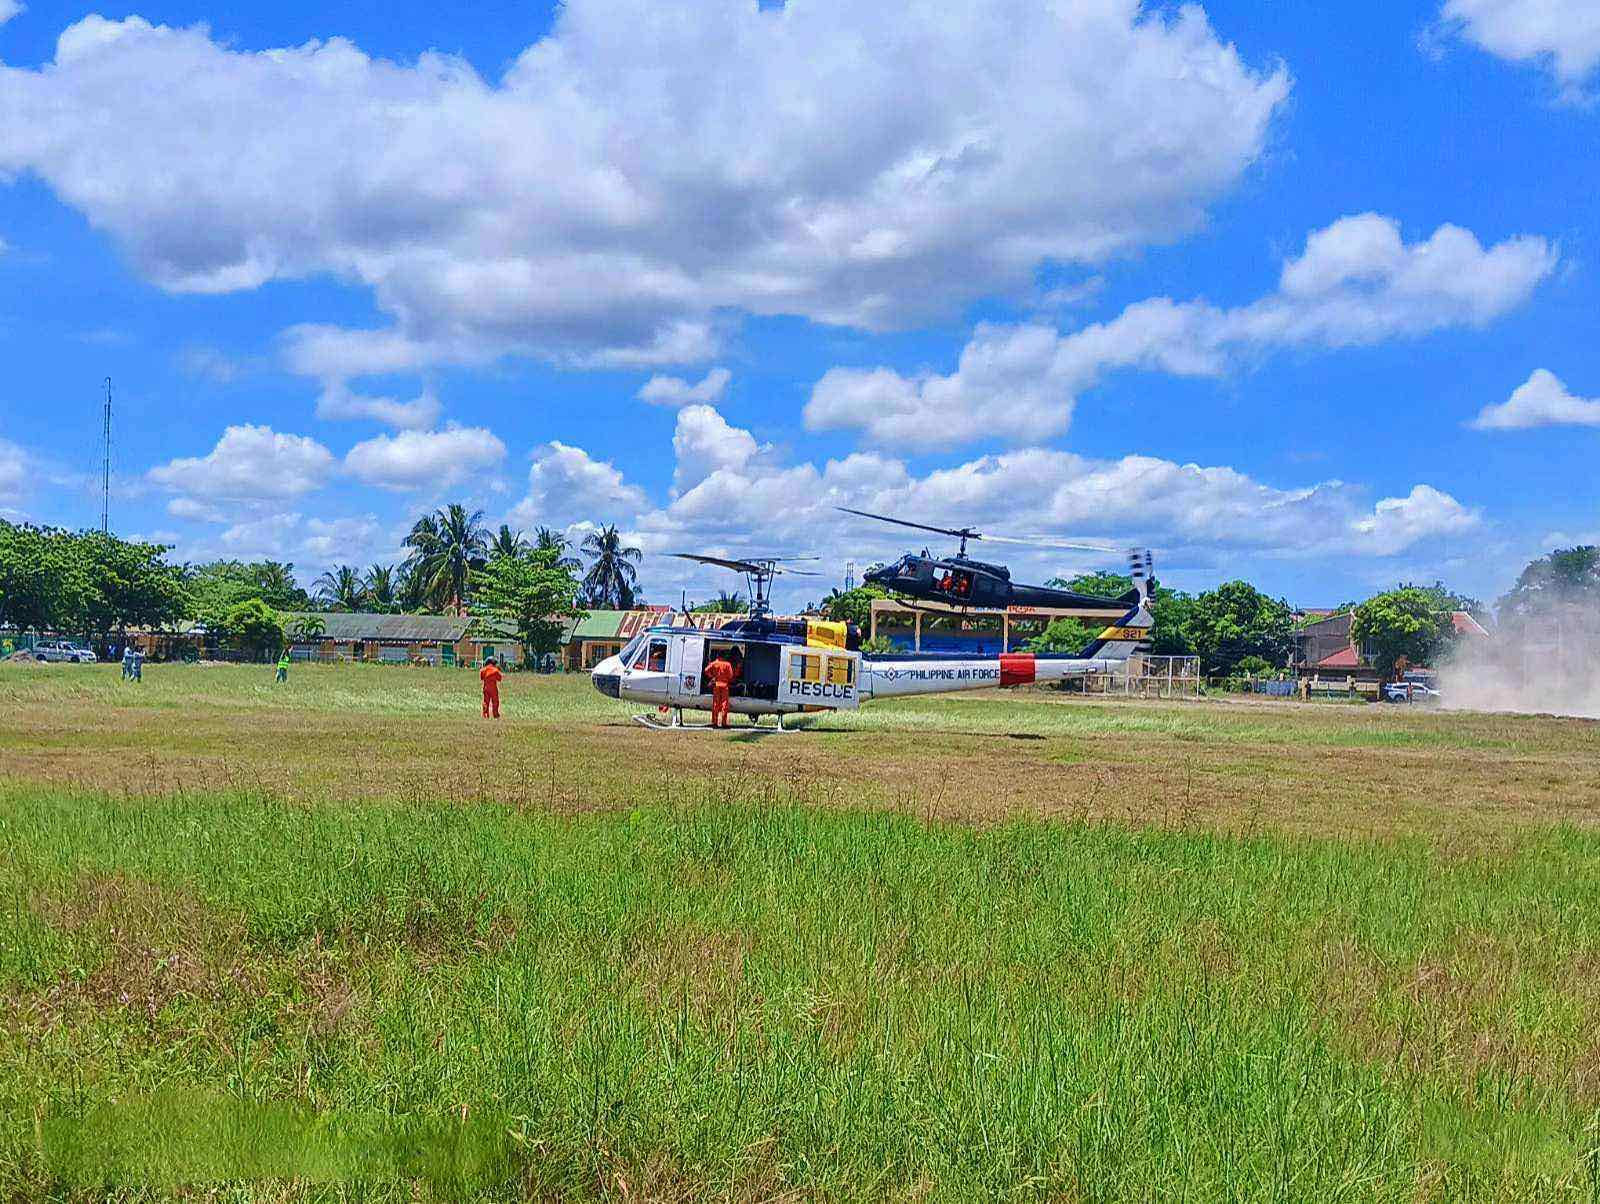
x=1301, y=293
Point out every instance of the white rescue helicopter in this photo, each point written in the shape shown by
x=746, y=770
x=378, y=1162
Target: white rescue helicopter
x=792, y=666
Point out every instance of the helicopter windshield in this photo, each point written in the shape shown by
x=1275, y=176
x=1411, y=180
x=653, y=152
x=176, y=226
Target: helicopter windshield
x=631, y=649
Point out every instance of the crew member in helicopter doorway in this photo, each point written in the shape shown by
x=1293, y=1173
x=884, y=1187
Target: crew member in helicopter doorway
x=720, y=674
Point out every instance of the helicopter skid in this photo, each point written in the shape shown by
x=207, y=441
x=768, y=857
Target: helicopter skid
x=676, y=724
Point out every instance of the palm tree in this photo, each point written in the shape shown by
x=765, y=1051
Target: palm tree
x=423, y=540
x=340, y=589
x=548, y=540
x=381, y=592
x=446, y=546
x=611, y=580
x=507, y=543
x=305, y=628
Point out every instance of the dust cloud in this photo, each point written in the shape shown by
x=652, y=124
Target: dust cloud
x=1547, y=663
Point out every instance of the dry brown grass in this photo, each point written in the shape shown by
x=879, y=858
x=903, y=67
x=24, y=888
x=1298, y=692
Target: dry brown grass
x=1239, y=766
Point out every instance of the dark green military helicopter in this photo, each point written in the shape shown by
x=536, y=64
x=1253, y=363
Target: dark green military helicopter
x=960, y=580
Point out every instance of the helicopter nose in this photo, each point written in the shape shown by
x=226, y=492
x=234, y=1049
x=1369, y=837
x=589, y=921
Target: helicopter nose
x=607, y=677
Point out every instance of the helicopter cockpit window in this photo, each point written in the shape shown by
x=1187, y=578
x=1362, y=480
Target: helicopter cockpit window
x=631, y=650
x=657, y=662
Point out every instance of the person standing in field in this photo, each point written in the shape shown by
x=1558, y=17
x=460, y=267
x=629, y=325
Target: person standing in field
x=720, y=674
x=490, y=675
x=283, y=667
x=127, y=661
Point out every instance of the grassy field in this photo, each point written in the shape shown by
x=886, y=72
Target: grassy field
x=1014, y=947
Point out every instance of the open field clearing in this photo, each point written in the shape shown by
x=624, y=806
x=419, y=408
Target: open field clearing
x=1017, y=947
x=349, y=732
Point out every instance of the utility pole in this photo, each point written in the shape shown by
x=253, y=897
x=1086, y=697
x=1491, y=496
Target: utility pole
x=105, y=469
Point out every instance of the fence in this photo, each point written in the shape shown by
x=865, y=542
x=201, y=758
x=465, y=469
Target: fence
x=1146, y=677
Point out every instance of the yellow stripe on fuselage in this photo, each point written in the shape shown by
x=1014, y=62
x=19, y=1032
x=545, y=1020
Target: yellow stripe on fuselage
x=1120, y=634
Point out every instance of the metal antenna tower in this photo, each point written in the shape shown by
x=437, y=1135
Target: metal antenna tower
x=105, y=469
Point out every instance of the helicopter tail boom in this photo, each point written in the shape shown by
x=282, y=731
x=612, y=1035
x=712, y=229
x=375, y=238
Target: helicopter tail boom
x=899, y=676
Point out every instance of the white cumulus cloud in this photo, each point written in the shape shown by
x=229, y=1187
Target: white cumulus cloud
x=250, y=462
x=200, y=512
x=1562, y=35
x=10, y=9
x=646, y=172
x=1541, y=400
x=675, y=391
x=704, y=442
x=567, y=486
x=425, y=459
x=296, y=537
x=338, y=401
x=1356, y=283
x=1396, y=523
x=1134, y=500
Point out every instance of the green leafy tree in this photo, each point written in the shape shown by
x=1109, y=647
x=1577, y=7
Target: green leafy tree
x=1403, y=624
x=1566, y=577
x=279, y=589
x=878, y=645
x=1255, y=666
x=447, y=546
x=254, y=627
x=1236, y=620
x=122, y=584
x=853, y=605
x=1100, y=584
x=1063, y=635
x=1169, y=608
x=216, y=586
x=38, y=579
x=1449, y=599
x=612, y=579
x=340, y=588
x=532, y=595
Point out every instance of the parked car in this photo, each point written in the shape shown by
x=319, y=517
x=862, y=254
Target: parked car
x=64, y=651
x=1411, y=691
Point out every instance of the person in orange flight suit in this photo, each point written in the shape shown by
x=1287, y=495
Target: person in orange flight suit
x=719, y=673
x=490, y=675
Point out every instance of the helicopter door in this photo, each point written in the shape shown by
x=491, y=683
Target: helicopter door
x=686, y=658
x=820, y=677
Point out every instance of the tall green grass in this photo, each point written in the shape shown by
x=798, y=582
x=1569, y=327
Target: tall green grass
x=704, y=999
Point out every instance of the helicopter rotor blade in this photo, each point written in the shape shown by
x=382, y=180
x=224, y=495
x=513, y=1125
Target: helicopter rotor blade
x=1071, y=545
x=884, y=518
x=738, y=566
x=970, y=533
x=766, y=566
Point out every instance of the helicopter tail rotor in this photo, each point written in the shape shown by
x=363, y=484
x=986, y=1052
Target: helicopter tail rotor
x=1142, y=568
